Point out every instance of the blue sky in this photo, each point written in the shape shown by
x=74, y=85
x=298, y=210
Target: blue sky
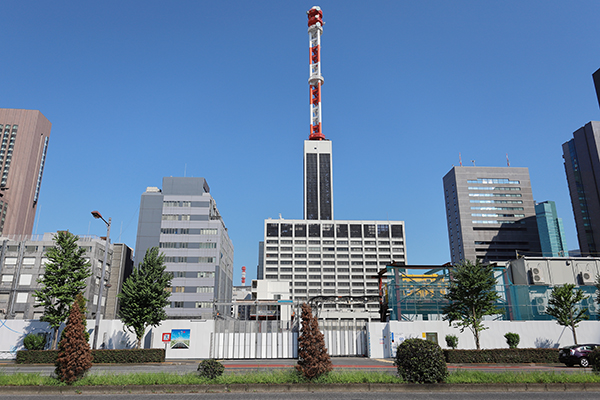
x=138, y=90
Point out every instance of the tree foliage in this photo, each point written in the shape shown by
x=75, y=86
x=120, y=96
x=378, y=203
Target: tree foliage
x=144, y=296
x=64, y=277
x=562, y=305
x=74, y=354
x=421, y=361
x=313, y=359
x=472, y=295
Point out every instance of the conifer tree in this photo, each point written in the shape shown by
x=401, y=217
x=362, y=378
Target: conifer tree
x=64, y=277
x=313, y=359
x=74, y=354
x=144, y=295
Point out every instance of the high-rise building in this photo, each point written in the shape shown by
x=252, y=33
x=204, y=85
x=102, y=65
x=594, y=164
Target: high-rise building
x=323, y=259
x=25, y=135
x=183, y=221
x=582, y=166
x=551, y=231
x=596, y=78
x=491, y=213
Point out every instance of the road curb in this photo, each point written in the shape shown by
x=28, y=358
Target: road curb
x=301, y=387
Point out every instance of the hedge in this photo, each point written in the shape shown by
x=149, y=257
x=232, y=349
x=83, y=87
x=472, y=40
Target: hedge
x=501, y=356
x=126, y=356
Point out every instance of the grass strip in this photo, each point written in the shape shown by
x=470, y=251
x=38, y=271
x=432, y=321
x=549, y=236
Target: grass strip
x=291, y=377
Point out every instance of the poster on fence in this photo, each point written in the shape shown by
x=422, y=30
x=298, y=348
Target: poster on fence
x=180, y=338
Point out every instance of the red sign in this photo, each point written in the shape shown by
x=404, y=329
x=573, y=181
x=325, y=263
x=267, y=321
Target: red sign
x=166, y=337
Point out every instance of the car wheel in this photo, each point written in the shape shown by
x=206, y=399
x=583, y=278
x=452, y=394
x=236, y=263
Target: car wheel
x=584, y=362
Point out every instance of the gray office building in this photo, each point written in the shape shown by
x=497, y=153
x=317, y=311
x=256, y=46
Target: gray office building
x=582, y=166
x=491, y=214
x=183, y=221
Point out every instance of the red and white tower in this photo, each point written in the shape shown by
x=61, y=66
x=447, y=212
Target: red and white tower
x=315, y=79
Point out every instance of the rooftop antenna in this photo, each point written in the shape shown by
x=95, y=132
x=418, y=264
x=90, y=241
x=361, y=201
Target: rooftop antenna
x=460, y=159
x=473, y=161
x=507, y=162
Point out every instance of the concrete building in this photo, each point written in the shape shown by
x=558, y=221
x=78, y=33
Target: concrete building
x=491, y=213
x=25, y=135
x=550, y=230
x=22, y=264
x=333, y=258
x=582, y=166
x=182, y=219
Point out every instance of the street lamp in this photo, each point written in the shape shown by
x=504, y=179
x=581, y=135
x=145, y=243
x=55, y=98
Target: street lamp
x=97, y=215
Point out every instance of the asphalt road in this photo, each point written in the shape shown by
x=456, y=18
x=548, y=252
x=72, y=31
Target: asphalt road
x=240, y=366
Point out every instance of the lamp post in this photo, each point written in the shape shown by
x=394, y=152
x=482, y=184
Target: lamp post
x=97, y=215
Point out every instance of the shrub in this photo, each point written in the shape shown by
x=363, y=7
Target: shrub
x=210, y=368
x=512, y=339
x=74, y=353
x=594, y=358
x=452, y=341
x=124, y=356
x=421, y=361
x=34, y=341
x=313, y=359
x=504, y=356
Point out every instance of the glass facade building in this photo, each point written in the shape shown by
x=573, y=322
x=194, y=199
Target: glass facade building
x=551, y=231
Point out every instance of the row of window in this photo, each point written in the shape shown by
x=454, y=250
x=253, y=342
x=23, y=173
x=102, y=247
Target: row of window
x=497, y=201
x=495, y=195
x=191, y=260
x=7, y=127
x=189, y=231
x=318, y=255
x=190, y=289
x=187, y=245
x=303, y=249
x=197, y=304
x=489, y=208
x=493, y=180
x=302, y=262
x=331, y=230
x=492, y=188
x=499, y=215
x=338, y=242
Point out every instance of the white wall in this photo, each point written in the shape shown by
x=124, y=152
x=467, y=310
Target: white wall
x=384, y=337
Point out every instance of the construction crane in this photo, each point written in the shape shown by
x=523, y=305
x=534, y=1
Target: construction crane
x=315, y=79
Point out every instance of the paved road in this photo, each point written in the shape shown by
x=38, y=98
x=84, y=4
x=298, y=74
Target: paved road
x=238, y=366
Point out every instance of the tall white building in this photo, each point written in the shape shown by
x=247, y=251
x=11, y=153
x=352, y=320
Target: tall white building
x=183, y=221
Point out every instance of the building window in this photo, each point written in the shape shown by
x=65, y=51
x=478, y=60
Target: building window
x=272, y=230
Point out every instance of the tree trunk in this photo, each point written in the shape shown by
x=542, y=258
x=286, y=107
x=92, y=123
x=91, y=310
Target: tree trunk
x=574, y=334
x=477, y=338
x=54, y=338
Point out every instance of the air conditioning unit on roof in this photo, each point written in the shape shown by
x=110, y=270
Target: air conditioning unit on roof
x=537, y=275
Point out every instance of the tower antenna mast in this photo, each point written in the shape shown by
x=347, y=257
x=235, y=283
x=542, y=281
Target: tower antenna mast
x=315, y=79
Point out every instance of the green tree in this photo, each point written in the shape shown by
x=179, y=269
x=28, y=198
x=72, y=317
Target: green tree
x=144, y=295
x=64, y=277
x=472, y=295
x=562, y=306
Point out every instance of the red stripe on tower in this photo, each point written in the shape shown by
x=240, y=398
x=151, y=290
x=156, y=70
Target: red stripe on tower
x=315, y=79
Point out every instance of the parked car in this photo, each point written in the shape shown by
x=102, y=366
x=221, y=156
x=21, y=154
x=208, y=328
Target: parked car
x=576, y=354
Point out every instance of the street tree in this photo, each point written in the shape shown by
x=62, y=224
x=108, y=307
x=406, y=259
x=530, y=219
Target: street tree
x=64, y=277
x=562, y=305
x=144, y=295
x=74, y=354
x=472, y=295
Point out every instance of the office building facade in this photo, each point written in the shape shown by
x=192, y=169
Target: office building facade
x=25, y=135
x=490, y=213
x=582, y=166
x=182, y=220
x=332, y=258
x=22, y=263
x=550, y=229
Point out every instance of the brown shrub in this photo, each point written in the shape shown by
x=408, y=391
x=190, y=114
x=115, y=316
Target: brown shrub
x=313, y=359
x=74, y=355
